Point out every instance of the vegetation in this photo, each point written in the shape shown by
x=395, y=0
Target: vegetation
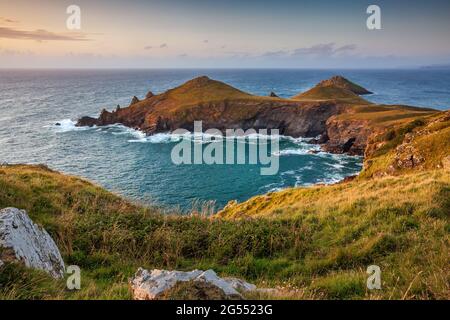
x=331, y=93
x=308, y=245
x=429, y=136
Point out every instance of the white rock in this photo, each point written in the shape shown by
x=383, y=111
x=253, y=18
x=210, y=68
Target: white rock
x=24, y=241
x=240, y=285
x=147, y=285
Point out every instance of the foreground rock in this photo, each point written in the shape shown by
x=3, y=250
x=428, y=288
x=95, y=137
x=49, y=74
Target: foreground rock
x=163, y=284
x=23, y=241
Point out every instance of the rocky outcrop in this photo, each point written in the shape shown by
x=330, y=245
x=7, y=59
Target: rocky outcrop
x=23, y=241
x=149, y=95
x=134, y=100
x=156, y=284
x=347, y=136
x=273, y=95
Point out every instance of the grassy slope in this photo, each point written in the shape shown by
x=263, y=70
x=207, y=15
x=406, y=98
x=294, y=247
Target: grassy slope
x=330, y=93
x=321, y=247
x=431, y=137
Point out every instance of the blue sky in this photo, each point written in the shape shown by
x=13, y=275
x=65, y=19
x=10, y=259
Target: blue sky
x=201, y=33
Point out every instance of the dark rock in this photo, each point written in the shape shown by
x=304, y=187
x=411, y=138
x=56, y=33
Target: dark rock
x=86, y=122
x=273, y=95
x=149, y=95
x=134, y=100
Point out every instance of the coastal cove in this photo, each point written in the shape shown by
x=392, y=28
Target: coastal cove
x=137, y=166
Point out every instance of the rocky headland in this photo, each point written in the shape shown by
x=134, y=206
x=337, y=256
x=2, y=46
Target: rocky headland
x=332, y=110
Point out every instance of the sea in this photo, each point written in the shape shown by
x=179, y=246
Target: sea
x=140, y=168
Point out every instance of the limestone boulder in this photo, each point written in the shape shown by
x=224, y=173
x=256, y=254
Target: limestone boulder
x=21, y=240
x=154, y=284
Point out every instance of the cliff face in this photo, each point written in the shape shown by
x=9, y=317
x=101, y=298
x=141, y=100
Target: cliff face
x=347, y=136
x=291, y=118
x=331, y=109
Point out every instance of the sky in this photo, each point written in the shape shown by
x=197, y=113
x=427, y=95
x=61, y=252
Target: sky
x=223, y=34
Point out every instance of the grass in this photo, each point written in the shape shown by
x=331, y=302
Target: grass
x=308, y=243
x=330, y=93
x=307, y=246
x=430, y=136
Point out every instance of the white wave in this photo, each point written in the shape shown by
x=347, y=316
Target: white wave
x=336, y=165
x=157, y=138
x=303, y=149
x=66, y=125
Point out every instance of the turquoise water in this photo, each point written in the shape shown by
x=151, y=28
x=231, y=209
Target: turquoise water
x=31, y=101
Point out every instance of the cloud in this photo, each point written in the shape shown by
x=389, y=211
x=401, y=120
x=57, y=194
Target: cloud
x=348, y=47
x=40, y=35
x=323, y=50
x=161, y=46
x=275, y=54
x=205, y=41
x=7, y=20
x=318, y=50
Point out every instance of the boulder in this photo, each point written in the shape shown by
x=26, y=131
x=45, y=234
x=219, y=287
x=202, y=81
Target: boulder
x=149, y=95
x=23, y=241
x=156, y=284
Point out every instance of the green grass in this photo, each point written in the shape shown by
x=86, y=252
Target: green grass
x=309, y=252
x=431, y=137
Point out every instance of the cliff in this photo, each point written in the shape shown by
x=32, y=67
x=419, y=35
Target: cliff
x=331, y=109
x=398, y=158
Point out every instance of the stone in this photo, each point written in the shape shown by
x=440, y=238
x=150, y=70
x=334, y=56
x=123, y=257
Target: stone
x=149, y=95
x=23, y=241
x=151, y=285
x=134, y=100
x=273, y=95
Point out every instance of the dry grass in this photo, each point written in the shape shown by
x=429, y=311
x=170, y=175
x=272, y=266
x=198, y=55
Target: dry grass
x=331, y=93
x=315, y=242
